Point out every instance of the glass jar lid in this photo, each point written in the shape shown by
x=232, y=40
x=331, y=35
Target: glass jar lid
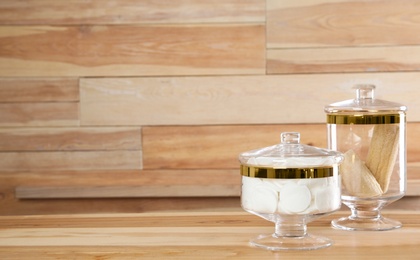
x=290, y=153
x=365, y=101
x=365, y=109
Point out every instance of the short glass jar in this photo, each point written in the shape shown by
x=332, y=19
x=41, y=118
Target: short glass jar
x=290, y=184
x=372, y=136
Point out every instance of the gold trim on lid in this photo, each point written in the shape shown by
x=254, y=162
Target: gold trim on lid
x=364, y=119
x=288, y=173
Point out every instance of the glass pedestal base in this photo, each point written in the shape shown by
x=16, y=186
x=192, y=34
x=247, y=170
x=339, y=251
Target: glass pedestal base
x=366, y=215
x=275, y=243
x=366, y=224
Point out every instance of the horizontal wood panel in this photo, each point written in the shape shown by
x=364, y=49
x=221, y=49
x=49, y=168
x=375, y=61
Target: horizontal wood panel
x=39, y=114
x=12, y=206
x=185, y=145
x=122, y=177
x=234, y=218
x=70, y=139
x=130, y=11
x=79, y=160
x=238, y=218
x=131, y=50
x=192, y=235
x=116, y=205
x=39, y=89
x=312, y=23
x=233, y=99
x=413, y=141
x=145, y=184
x=128, y=191
x=219, y=146
x=192, y=75
x=215, y=146
x=115, y=184
x=342, y=60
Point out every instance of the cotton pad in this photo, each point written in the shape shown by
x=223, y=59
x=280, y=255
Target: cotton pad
x=295, y=198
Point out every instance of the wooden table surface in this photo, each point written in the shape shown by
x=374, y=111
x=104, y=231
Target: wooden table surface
x=191, y=235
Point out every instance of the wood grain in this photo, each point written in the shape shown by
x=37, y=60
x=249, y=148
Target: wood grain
x=39, y=89
x=320, y=23
x=70, y=160
x=131, y=184
x=215, y=147
x=101, y=50
x=127, y=191
x=191, y=235
x=280, y=99
x=180, y=148
x=14, y=206
x=343, y=60
x=141, y=184
x=185, y=218
x=197, y=252
x=413, y=139
x=39, y=114
x=123, y=177
x=130, y=11
x=70, y=139
x=170, y=93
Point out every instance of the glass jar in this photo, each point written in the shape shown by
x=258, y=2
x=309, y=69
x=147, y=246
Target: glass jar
x=372, y=136
x=290, y=184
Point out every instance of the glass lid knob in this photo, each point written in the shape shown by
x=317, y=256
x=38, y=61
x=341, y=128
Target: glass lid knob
x=364, y=91
x=290, y=138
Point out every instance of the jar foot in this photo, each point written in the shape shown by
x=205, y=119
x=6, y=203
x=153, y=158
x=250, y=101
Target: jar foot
x=365, y=221
x=290, y=236
x=276, y=243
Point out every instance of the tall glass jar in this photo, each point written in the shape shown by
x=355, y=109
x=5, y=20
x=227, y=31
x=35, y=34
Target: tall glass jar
x=371, y=133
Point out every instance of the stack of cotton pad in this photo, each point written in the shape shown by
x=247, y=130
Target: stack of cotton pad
x=290, y=196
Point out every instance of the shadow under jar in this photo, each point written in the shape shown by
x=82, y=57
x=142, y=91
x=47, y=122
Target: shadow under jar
x=290, y=184
x=372, y=136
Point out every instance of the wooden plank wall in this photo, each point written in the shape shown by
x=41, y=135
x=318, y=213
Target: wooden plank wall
x=111, y=105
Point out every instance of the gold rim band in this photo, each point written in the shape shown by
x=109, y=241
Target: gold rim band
x=364, y=119
x=289, y=173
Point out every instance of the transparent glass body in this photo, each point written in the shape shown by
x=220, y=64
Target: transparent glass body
x=372, y=137
x=290, y=184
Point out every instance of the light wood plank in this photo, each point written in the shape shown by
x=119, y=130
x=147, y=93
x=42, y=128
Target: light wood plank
x=129, y=191
x=117, y=184
x=145, y=184
x=342, y=60
x=39, y=89
x=70, y=139
x=219, y=146
x=80, y=160
x=10, y=205
x=185, y=218
x=39, y=114
x=13, y=206
x=413, y=141
x=130, y=11
x=215, y=146
x=192, y=235
x=122, y=177
x=280, y=99
x=145, y=219
x=315, y=23
x=131, y=50
x=198, y=252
